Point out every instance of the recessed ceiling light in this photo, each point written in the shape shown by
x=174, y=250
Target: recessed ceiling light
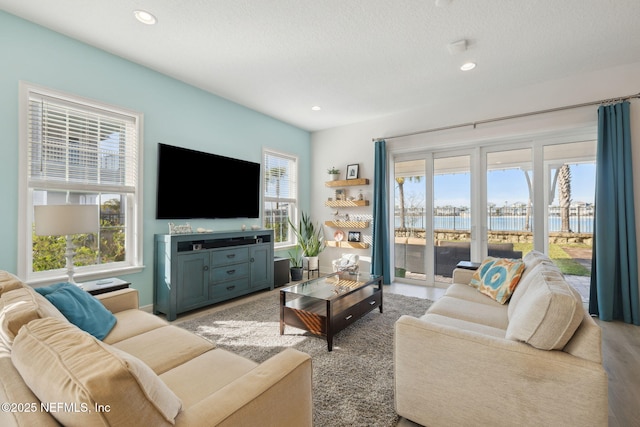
x=145, y=17
x=316, y=108
x=468, y=66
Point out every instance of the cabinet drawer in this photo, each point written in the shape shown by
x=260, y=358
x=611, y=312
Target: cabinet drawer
x=222, y=291
x=229, y=272
x=229, y=256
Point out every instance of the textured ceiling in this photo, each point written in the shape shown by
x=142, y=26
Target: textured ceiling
x=357, y=59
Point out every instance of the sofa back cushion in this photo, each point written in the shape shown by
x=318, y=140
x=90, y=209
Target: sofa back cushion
x=547, y=313
x=533, y=261
x=61, y=363
x=9, y=282
x=17, y=308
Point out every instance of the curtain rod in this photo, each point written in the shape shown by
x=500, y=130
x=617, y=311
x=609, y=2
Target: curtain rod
x=515, y=116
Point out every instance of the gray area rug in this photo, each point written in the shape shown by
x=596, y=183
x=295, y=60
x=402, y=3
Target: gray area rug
x=352, y=385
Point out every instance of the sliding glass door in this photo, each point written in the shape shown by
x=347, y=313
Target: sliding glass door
x=509, y=202
x=452, y=213
x=500, y=200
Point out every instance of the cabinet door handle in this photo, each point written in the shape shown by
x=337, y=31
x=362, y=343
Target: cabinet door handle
x=206, y=268
x=252, y=260
x=231, y=256
x=230, y=288
x=231, y=271
x=348, y=317
x=372, y=302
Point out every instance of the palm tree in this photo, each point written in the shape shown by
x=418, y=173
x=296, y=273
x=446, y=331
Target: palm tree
x=564, y=190
x=401, y=180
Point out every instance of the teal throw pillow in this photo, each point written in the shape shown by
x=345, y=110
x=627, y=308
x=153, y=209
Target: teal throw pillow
x=80, y=308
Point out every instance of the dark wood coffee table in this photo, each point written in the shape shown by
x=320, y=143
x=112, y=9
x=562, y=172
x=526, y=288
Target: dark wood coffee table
x=326, y=305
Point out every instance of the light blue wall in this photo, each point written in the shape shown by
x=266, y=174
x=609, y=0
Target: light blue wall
x=174, y=113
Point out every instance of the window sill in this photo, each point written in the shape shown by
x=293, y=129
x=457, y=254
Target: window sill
x=58, y=276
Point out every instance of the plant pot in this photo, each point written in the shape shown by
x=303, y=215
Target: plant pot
x=334, y=176
x=310, y=262
x=296, y=274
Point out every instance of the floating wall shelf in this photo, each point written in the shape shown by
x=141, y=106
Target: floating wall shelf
x=347, y=224
x=346, y=203
x=354, y=245
x=347, y=182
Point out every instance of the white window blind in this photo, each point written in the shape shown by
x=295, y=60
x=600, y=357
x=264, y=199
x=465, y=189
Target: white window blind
x=74, y=146
x=280, y=178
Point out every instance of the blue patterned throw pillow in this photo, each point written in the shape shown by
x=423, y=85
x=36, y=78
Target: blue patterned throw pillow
x=498, y=277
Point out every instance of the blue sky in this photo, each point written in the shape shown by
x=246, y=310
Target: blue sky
x=505, y=186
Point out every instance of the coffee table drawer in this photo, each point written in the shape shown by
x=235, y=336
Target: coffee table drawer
x=345, y=318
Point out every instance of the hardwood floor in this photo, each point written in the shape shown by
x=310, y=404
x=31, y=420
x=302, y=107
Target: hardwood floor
x=621, y=360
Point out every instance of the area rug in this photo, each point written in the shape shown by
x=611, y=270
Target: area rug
x=352, y=385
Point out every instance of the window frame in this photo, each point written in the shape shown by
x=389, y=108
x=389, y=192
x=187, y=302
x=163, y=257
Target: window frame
x=133, y=209
x=292, y=201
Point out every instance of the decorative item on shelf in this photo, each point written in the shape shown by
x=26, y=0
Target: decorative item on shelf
x=341, y=194
x=244, y=227
x=180, y=229
x=200, y=230
x=334, y=173
x=352, y=171
x=255, y=227
x=360, y=195
x=67, y=220
x=338, y=236
x=354, y=236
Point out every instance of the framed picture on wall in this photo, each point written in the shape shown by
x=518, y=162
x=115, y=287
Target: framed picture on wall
x=352, y=171
x=354, y=236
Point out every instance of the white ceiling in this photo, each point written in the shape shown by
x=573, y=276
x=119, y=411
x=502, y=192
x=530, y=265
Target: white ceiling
x=357, y=59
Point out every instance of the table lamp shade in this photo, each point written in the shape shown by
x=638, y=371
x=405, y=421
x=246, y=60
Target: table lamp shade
x=62, y=220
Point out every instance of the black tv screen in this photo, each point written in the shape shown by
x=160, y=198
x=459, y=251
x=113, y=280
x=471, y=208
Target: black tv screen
x=193, y=184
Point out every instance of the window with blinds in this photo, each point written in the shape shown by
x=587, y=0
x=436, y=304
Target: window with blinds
x=78, y=151
x=72, y=145
x=280, y=195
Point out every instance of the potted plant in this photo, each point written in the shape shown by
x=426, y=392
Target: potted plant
x=334, y=173
x=310, y=240
x=295, y=265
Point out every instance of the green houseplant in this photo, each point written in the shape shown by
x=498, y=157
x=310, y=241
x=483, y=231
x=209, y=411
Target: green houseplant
x=310, y=238
x=295, y=264
x=334, y=173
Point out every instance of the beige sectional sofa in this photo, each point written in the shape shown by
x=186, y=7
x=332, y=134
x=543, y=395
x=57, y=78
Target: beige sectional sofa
x=534, y=361
x=144, y=372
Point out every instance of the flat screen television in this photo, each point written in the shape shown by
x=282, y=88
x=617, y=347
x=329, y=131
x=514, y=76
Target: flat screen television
x=193, y=184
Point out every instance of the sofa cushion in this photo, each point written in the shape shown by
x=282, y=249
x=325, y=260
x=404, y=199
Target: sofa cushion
x=165, y=348
x=191, y=386
x=548, y=313
x=17, y=308
x=527, y=278
x=533, y=258
x=131, y=323
x=80, y=308
x=498, y=277
x=61, y=363
x=489, y=312
x=9, y=282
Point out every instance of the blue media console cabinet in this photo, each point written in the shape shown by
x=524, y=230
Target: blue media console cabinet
x=200, y=269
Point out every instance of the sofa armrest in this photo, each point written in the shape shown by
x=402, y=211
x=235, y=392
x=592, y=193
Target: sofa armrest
x=278, y=392
x=462, y=275
x=120, y=300
x=449, y=376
